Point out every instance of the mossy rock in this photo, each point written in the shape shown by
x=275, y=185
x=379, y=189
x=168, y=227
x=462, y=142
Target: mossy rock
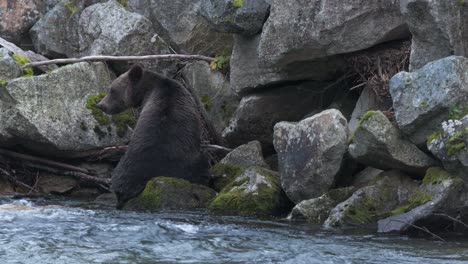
x=223, y=174
x=22, y=60
x=256, y=192
x=166, y=193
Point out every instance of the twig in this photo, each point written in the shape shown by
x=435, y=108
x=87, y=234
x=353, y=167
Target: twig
x=14, y=180
x=121, y=58
x=424, y=229
x=209, y=146
x=61, y=165
x=453, y=219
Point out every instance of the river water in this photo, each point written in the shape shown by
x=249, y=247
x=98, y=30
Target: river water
x=59, y=231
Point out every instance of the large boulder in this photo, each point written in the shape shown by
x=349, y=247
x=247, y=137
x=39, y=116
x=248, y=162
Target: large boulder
x=53, y=113
x=438, y=28
x=306, y=30
x=212, y=87
x=371, y=203
x=435, y=201
x=255, y=192
x=257, y=113
x=17, y=17
x=180, y=25
x=242, y=17
x=425, y=98
x=249, y=73
x=56, y=184
x=317, y=210
x=450, y=145
x=57, y=33
x=310, y=154
x=164, y=193
x=377, y=143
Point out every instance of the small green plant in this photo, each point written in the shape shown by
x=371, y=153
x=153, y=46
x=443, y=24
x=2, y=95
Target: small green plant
x=3, y=83
x=71, y=6
x=220, y=63
x=124, y=3
x=458, y=111
x=207, y=102
x=461, y=2
x=22, y=60
x=238, y=3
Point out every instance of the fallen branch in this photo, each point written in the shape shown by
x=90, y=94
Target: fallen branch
x=424, y=229
x=61, y=165
x=453, y=219
x=121, y=58
x=210, y=146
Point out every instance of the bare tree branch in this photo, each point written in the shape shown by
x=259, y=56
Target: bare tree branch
x=121, y=58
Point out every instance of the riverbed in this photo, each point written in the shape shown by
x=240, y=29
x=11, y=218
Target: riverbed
x=57, y=230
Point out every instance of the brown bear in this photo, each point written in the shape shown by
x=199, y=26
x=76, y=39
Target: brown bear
x=166, y=139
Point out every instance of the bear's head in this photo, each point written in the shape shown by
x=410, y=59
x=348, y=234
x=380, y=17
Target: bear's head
x=124, y=92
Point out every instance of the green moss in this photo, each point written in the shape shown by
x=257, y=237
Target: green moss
x=461, y=2
x=71, y=7
x=234, y=199
x=97, y=113
x=124, y=120
x=423, y=105
x=455, y=137
x=22, y=60
x=151, y=197
x=224, y=174
x=458, y=111
x=434, y=136
x=455, y=148
x=436, y=175
x=221, y=63
x=3, y=83
x=124, y=3
x=238, y=3
x=466, y=131
x=341, y=194
x=364, y=212
x=207, y=102
x=364, y=117
x=417, y=199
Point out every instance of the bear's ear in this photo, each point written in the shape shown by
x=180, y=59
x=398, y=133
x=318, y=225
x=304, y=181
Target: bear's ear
x=135, y=73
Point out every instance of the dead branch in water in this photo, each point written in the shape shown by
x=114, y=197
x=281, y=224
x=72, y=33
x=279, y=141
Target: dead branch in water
x=121, y=58
x=424, y=229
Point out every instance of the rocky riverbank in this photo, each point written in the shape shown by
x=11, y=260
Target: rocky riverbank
x=344, y=114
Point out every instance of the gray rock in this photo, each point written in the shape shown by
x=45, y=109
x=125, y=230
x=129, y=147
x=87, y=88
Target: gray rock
x=307, y=30
x=310, y=154
x=247, y=155
x=47, y=113
x=17, y=17
x=365, y=177
x=450, y=145
x=50, y=183
x=317, y=210
x=371, y=203
x=180, y=25
x=377, y=143
x=438, y=194
x=438, y=28
x=163, y=193
x=57, y=33
x=368, y=100
x=256, y=192
x=423, y=99
x=9, y=69
x=257, y=114
x=249, y=73
x=226, y=16
x=212, y=87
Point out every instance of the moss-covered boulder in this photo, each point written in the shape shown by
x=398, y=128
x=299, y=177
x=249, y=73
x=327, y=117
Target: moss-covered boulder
x=165, y=193
x=377, y=143
x=236, y=162
x=53, y=113
x=316, y=210
x=371, y=203
x=255, y=192
x=438, y=195
x=450, y=144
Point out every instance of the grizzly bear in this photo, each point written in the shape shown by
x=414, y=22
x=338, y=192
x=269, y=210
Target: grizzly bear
x=166, y=139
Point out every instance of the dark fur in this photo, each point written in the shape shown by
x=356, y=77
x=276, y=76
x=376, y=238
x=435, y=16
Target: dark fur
x=166, y=139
